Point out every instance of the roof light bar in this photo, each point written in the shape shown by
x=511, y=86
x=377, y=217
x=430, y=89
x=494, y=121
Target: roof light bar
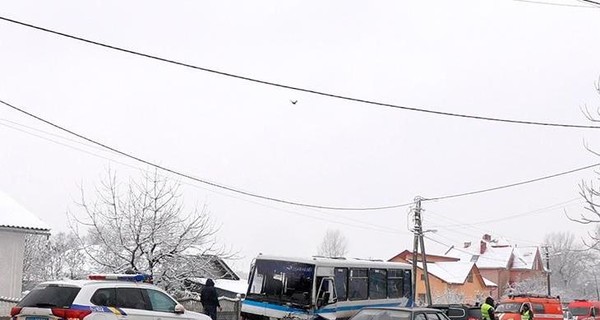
x=122, y=277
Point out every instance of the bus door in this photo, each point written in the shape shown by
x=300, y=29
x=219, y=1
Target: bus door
x=326, y=299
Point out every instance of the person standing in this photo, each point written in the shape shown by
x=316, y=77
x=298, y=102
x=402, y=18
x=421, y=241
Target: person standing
x=210, y=299
x=526, y=313
x=487, y=309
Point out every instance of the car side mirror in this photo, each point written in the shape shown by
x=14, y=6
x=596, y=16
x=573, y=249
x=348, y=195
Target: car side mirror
x=179, y=309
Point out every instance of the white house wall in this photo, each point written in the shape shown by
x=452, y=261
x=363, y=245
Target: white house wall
x=12, y=245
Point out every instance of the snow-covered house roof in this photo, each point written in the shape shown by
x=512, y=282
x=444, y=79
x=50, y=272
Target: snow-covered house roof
x=453, y=272
x=450, y=272
x=15, y=216
x=489, y=283
x=487, y=253
x=236, y=286
x=525, y=257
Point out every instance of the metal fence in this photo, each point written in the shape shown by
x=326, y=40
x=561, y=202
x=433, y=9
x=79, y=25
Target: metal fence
x=5, y=305
x=231, y=307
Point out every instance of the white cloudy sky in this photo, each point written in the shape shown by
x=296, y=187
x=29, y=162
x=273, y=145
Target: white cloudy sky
x=494, y=58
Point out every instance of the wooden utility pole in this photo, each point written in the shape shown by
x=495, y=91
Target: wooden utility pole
x=418, y=240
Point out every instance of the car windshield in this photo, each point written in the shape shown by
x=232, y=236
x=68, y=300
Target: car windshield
x=508, y=307
x=382, y=314
x=282, y=282
x=50, y=296
x=580, y=311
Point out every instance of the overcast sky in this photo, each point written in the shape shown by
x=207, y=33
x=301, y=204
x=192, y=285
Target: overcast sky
x=493, y=58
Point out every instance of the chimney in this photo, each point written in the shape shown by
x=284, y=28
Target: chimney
x=467, y=244
x=482, y=246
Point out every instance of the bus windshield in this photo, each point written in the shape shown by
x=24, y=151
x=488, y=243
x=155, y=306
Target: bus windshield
x=282, y=282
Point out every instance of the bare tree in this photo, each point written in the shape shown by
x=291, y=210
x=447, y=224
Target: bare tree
x=52, y=257
x=448, y=295
x=334, y=244
x=530, y=285
x=144, y=227
x=569, y=261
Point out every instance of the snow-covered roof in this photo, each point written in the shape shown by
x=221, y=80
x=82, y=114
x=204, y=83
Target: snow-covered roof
x=493, y=257
x=524, y=257
x=237, y=286
x=489, y=283
x=14, y=215
x=450, y=272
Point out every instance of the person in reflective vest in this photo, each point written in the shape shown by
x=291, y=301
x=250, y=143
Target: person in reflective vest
x=526, y=313
x=487, y=309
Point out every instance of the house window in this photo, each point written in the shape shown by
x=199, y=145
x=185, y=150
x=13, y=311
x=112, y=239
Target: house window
x=422, y=277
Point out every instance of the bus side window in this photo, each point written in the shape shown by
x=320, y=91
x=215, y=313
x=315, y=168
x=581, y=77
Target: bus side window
x=358, y=284
x=341, y=283
x=377, y=283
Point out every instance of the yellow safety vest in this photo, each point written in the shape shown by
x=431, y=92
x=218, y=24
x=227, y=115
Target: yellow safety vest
x=526, y=315
x=485, y=308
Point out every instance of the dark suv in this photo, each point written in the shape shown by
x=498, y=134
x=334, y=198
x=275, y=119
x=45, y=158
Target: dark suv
x=459, y=311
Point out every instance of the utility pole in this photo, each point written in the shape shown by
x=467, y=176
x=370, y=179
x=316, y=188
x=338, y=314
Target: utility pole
x=418, y=240
x=547, y=254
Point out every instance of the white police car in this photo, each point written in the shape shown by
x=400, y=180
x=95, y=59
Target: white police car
x=101, y=297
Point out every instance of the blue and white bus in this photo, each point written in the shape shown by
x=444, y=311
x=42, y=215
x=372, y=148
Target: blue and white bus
x=330, y=288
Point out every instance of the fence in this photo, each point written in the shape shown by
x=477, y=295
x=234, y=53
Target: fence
x=5, y=305
x=231, y=307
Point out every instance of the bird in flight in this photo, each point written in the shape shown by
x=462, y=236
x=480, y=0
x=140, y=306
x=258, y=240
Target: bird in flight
x=293, y=101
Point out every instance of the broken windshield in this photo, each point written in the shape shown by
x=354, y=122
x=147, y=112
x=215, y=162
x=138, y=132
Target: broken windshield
x=282, y=282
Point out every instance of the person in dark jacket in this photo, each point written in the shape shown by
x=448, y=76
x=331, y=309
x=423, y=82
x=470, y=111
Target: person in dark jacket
x=210, y=299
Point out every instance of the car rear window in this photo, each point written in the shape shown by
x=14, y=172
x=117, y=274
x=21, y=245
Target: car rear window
x=455, y=312
x=50, y=296
x=474, y=313
x=508, y=307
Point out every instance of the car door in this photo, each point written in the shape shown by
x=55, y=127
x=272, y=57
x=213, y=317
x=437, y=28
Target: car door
x=133, y=303
x=163, y=306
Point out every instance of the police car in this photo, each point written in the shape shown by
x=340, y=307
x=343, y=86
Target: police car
x=101, y=297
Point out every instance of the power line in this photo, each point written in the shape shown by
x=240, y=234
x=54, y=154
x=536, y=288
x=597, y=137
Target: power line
x=360, y=224
x=514, y=216
x=556, y=4
x=597, y=4
x=213, y=184
x=255, y=195
x=511, y=185
x=290, y=87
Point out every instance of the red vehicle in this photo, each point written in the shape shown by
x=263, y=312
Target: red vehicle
x=584, y=309
x=544, y=307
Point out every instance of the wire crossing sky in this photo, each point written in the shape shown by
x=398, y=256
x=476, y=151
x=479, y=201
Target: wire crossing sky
x=270, y=198
x=268, y=120
x=290, y=87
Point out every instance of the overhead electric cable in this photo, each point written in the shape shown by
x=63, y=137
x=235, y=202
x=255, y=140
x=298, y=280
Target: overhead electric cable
x=595, y=3
x=213, y=184
x=461, y=225
x=290, y=87
x=255, y=195
x=360, y=224
x=510, y=185
x=557, y=4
